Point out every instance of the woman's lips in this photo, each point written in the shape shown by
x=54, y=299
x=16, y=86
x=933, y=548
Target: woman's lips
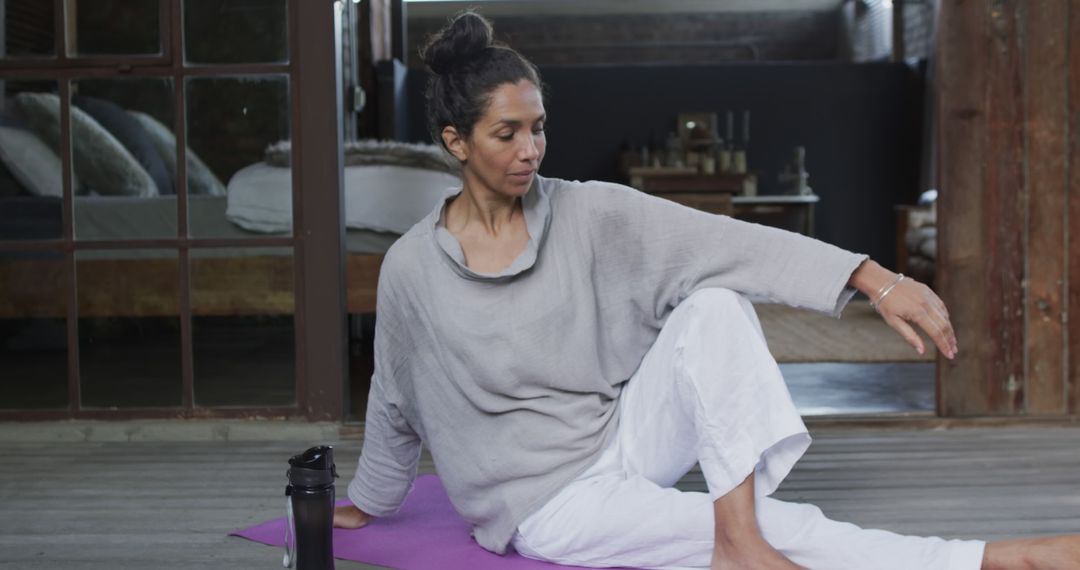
x=522, y=175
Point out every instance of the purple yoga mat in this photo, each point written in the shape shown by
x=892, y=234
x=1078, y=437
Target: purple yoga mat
x=426, y=533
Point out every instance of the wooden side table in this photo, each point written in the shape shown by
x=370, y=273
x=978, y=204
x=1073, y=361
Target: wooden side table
x=707, y=192
x=748, y=206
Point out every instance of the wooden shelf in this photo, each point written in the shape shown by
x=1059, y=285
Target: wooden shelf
x=671, y=180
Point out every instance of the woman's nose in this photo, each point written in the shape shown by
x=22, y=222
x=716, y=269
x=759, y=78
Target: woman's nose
x=529, y=150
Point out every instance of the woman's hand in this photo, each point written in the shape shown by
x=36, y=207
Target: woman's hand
x=349, y=516
x=907, y=303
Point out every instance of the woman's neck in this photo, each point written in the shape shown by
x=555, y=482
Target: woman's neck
x=480, y=209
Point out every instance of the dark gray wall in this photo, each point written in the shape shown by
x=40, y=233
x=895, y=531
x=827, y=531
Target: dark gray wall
x=657, y=38
x=860, y=124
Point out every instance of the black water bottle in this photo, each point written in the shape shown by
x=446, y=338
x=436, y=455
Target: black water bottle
x=311, y=494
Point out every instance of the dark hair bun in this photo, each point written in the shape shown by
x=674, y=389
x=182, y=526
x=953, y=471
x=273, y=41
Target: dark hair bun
x=467, y=36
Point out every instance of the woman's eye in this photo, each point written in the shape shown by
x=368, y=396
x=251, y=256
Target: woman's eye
x=507, y=137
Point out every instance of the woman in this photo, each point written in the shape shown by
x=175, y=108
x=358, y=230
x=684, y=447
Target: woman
x=567, y=351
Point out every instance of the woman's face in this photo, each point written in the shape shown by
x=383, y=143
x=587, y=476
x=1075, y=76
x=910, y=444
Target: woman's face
x=507, y=144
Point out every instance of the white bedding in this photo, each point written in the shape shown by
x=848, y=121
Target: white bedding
x=380, y=198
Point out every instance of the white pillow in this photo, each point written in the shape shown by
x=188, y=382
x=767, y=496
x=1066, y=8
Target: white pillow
x=31, y=162
x=201, y=180
x=260, y=198
x=101, y=161
x=393, y=198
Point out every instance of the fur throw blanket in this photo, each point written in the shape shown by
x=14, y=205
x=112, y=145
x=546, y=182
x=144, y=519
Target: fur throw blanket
x=379, y=153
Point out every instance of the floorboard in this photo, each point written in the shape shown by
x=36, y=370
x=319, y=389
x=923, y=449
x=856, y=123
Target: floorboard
x=170, y=505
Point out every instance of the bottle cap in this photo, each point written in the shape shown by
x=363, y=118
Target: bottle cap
x=313, y=468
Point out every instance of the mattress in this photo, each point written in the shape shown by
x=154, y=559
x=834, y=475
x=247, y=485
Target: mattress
x=129, y=217
x=381, y=203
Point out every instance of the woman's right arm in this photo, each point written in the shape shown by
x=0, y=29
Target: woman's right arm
x=388, y=460
x=391, y=449
x=386, y=468
x=387, y=465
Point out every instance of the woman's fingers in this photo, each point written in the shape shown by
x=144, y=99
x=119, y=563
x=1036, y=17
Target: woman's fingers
x=944, y=309
x=939, y=330
x=943, y=312
x=348, y=516
x=912, y=303
x=907, y=332
x=939, y=314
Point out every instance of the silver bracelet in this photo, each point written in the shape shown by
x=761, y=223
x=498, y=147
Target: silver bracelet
x=885, y=290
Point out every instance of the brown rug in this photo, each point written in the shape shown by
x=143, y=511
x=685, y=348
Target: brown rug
x=860, y=335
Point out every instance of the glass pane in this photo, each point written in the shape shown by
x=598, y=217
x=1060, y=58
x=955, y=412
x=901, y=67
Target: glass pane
x=230, y=123
x=29, y=28
x=33, y=336
x=115, y=27
x=31, y=184
x=125, y=164
x=361, y=364
x=243, y=334
x=129, y=332
x=236, y=31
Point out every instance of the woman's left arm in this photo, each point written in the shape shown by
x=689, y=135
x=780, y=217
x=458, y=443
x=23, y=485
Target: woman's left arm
x=904, y=302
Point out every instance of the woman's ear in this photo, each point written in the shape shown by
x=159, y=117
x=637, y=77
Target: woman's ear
x=455, y=144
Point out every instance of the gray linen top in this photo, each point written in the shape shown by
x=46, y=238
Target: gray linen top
x=512, y=379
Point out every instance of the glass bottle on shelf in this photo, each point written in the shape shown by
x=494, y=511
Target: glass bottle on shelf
x=708, y=161
x=723, y=156
x=656, y=153
x=738, y=158
x=675, y=155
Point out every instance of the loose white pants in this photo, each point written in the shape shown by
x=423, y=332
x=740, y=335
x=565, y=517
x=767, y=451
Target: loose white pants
x=709, y=392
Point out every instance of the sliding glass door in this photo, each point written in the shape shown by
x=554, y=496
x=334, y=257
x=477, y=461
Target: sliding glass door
x=152, y=209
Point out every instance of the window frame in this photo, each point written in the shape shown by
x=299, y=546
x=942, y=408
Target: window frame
x=315, y=122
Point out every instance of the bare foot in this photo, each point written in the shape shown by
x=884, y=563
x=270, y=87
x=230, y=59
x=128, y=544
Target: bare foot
x=739, y=544
x=1053, y=553
x=760, y=557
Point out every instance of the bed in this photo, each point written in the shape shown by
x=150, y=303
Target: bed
x=381, y=202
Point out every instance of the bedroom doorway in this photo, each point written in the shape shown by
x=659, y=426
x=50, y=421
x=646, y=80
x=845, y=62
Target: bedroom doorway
x=151, y=265
x=852, y=366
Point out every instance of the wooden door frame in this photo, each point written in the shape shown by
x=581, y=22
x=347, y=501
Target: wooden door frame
x=1009, y=213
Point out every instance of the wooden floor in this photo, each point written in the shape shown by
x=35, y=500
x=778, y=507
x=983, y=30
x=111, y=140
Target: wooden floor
x=859, y=335
x=170, y=505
